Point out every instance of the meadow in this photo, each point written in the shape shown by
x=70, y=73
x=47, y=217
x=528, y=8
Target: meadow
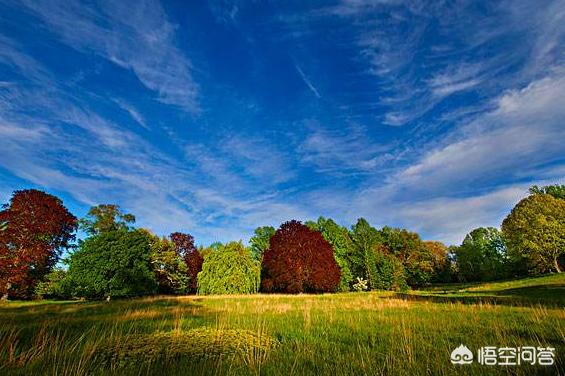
x=372, y=333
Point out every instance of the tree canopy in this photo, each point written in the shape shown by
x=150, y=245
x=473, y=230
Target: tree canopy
x=170, y=269
x=260, y=241
x=106, y=217
x=113, y=263
x=557, y=191
x=535, y=229
x=115, y=259
x=229, y=270
x=365, y=239
x=185, y=248
x=299, y=260
x=35, y=228
x=482, y=255
x=343, y=247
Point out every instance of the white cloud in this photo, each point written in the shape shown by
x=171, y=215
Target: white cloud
x=342, y=152
x=132, y=111
x=307, y=81
x=258, y=157
x=136, y=36
x=524, y=133
x=513, y=142
x=450, y=219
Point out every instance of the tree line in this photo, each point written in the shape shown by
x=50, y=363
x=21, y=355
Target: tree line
x=116, y=259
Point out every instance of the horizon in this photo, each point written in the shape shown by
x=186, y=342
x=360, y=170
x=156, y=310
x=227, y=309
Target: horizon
x=214, y=119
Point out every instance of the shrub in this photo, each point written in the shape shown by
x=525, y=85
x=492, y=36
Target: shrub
x=360, y=285
x=193, y=344
x=229, y=270
x=299, y=259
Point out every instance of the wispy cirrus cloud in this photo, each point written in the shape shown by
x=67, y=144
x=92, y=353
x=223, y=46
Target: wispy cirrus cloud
x=514, y=141
x=307, y=81
x=132, y=111
x=342, y=152
x=77, y=150
x=135, y=36
x=476, y=115
x=419, y=54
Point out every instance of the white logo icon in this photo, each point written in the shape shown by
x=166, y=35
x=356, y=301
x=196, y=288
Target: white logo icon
x=462, y=355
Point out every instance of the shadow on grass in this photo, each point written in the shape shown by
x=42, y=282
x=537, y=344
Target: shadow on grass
x=143, y=311
x=548, y=295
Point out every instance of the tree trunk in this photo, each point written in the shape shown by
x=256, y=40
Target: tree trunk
x=556, y=263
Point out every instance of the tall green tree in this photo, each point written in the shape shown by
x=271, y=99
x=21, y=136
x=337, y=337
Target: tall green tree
x=441, y=261
x=342, y=244
x=114, y=263
x=229, y=270
x=557, y=191
x=535, y=229
x=482, y=255
x=365, y=239
x=260, y=241
x=409, y=248
x=105, y=217
x=170, y=269
x=391, y=274
x=185, y=248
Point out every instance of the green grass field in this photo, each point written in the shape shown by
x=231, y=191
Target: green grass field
x=353, y=333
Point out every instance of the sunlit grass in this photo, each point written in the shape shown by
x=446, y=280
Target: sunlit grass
x=355, y=333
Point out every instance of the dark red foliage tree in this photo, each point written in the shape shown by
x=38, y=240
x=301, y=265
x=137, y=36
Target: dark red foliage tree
x=299, y=260
x=35, y=227
x=184, y=244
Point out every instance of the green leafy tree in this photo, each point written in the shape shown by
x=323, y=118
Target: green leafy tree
x=229, y=270
x=169, y=267
x=343, y=246
x=185, y=248
x=557, y=191
x=54, y=286
x=482, y=255
x=260, y=241
x=409, y=248
x=391, y=274
x=215, y=246
x=363, y=261
x=535, y=230
x=114, y=263
x=106, y=217
x=441, y=260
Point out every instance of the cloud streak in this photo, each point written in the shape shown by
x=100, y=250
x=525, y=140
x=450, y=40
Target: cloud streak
x=136, y=37
x=307, y=81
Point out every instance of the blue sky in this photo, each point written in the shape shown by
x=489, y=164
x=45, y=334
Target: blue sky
x=217, y=117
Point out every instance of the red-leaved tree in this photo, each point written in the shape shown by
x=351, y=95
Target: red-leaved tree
x=299, y=260
x=184, y=244
x=35, y=227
